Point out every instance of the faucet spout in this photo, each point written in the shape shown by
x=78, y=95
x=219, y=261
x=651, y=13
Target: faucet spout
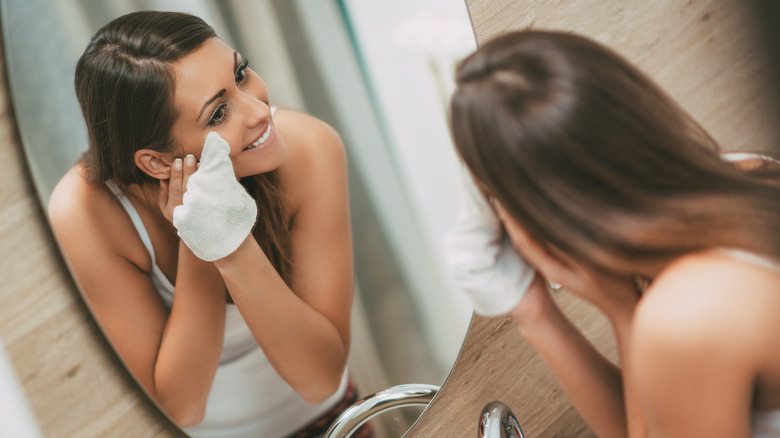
x=391, y=398
x=498, y=421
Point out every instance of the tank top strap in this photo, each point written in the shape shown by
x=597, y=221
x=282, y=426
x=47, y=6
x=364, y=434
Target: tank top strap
x=134, y=217
x=750, y=257
x=161, y=282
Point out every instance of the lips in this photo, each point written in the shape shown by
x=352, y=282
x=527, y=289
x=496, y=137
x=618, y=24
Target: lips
x=261, y=140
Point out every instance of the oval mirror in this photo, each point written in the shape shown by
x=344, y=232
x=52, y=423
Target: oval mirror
x=378, y=72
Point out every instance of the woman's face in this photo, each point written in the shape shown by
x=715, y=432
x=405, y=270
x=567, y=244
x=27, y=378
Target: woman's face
x=216, y=91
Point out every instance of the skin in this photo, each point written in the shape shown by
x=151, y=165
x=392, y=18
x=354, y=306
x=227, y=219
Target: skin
x=697, y=351
x=303, y=328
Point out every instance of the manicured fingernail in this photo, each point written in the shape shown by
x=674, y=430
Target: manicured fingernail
x=177, y=164
x=189, y=160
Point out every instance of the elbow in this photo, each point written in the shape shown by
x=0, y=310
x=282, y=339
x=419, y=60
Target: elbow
x=187, y=416
x=323, y=390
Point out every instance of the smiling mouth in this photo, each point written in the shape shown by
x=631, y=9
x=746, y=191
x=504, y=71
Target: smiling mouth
x=263, y=138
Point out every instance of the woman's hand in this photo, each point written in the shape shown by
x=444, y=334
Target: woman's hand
x=172, y=190
x=216, y=213
x=537, y=304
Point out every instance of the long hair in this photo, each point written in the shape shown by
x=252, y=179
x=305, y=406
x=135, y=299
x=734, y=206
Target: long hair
x=125, y=87
x=589, y=155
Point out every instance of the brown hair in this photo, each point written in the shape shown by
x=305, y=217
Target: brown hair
x=589, y=155
x=125, y=87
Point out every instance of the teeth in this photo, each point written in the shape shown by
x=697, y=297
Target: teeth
x=262, y=139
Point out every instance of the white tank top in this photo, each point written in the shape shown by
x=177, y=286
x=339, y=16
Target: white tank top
x=248, y=398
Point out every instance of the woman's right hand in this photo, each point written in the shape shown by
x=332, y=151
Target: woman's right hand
x=172, y=190
x=215, y=214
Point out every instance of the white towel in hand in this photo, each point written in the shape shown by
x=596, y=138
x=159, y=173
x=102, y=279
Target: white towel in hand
x=481, y=259
x=217, y=214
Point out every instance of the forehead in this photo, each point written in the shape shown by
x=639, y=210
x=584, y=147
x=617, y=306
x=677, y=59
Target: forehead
x=199, y=75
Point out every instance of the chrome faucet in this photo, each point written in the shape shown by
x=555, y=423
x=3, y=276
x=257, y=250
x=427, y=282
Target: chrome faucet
x=391, y=398
x=498, y=421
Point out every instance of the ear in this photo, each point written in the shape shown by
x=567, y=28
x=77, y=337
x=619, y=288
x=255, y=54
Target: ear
x=153, y=163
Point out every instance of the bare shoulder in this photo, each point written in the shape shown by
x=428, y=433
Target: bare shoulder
x=316, y=157
x=706, y=302
x=307, y=137
x=74, y=201
x=87, y=219
x=702, y=345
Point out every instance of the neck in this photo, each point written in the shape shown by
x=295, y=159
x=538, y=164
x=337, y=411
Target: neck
x=146, y=195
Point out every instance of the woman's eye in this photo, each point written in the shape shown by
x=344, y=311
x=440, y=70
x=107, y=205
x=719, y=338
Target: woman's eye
x=242, y=73
x=218, y=115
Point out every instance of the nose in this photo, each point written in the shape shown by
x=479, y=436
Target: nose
x=253, y=110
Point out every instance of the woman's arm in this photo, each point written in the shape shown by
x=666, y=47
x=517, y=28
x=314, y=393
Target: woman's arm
x=592, y=383
x=173, y=355
x=303, y=327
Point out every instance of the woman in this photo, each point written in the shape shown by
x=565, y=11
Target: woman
x=233, y=316
x=606, y=187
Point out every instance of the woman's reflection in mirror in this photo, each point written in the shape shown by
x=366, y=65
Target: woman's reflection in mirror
x=246, y=333
x=607, y=187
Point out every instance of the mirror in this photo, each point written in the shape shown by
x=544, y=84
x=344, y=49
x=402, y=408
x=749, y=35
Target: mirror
x=378, y=73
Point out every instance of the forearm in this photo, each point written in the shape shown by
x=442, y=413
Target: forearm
x=304, y=346
x=192, y=340
x=592, y=383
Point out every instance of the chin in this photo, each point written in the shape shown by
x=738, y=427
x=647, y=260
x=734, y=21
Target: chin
x=250, y=169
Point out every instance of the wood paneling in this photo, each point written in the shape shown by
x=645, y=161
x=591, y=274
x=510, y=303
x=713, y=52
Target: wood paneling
x=497, y=364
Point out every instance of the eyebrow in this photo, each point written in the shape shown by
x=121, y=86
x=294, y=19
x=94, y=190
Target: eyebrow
x=222, y=91
x=208, y=102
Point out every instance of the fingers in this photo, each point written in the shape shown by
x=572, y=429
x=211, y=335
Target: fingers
x=190, y=166
x=172, y=190
x=181, y=171
x=175, y=191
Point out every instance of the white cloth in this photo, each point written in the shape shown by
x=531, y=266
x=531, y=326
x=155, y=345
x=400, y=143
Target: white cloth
x=248, y=398
x=217, y=214
x=766, y=424
x=481, y=259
